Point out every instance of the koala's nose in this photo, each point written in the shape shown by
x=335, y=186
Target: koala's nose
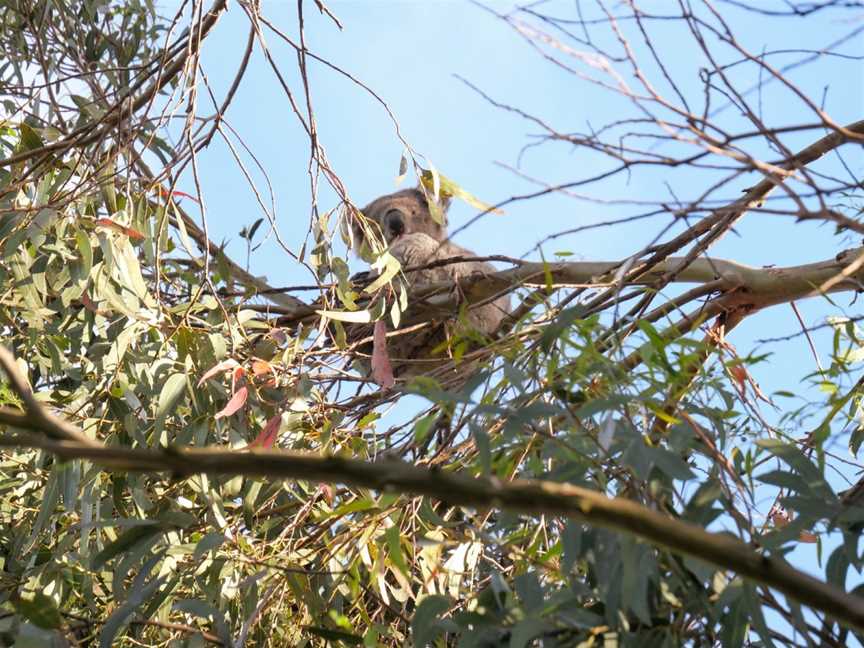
x=394, y=224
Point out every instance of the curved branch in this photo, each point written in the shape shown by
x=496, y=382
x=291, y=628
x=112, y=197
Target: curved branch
x=743, y=287
x=526, y=496
x=41, y=419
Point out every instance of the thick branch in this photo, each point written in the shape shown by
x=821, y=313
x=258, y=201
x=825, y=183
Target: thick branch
x=38, y=417
x=533, y=497
x=753, y=288
x=743, y=287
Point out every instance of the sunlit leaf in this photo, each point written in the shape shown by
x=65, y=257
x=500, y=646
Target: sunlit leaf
x=171, y=393
x=355, y=317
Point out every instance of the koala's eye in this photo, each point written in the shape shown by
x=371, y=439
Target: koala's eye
x=394, y=224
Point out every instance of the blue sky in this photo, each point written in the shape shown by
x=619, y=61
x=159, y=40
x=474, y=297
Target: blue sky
x=409, y=52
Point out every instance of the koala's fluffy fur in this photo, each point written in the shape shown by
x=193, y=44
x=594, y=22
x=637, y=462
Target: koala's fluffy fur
x=415, y=238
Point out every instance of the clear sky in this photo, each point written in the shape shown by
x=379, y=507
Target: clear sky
x=409, y=52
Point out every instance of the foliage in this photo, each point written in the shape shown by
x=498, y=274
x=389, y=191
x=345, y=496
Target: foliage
x=127, y=321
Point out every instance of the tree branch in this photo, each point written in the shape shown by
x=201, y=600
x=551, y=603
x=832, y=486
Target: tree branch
x=127, y=106
x=742, y=287
x=533, y=497
x=527, y=496
x=36, y=417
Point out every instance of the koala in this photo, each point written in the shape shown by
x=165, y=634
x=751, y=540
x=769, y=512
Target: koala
x=415, y=238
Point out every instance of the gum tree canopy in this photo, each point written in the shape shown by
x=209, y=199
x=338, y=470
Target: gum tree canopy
x=191, y=456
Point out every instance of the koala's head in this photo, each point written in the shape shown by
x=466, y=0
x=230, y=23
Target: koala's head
x=403, y=212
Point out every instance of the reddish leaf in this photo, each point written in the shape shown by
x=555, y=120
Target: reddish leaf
x=183, y=194
x=89, y=305
x=219, y=367
x=132, y=233
x=179, y=194
x=267, y=436
x=236, y=377
x=278, y=335
x=739, y=373
x=237, y=401
x=382, y=372
x=806, y=536
x=261, y=367
x=326, y=491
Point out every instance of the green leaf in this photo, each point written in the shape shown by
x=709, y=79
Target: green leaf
x=85, y=252
x=30, y=139
x=394, y=547
x=254, y=228
x=526, y=630
x=530, y=592
x=424, y=426
x=50, y=498
x=799, y=462
x=207, y=544
x=335, y=635
x=172, y=391
x=669, y=463
x=125, y=541
x=838, y=565
x=119, y=618
x=206, y=611
x=106, y=183
x=424, y=625
x=40, y=610
x=571, y=539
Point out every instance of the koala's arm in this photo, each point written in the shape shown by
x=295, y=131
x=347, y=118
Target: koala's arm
x=418, y=249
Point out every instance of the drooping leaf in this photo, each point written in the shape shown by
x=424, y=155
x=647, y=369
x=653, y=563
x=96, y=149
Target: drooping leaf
x=172, y=391
x=382, y=371
x=268, y=434
x=237, y=401
x=220, y=367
